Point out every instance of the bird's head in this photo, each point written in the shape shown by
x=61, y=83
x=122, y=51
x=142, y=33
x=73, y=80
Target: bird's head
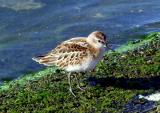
x=98, y=39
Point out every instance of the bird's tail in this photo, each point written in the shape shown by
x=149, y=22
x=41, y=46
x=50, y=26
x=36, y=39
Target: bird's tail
x=45, y=60
x=37, y=59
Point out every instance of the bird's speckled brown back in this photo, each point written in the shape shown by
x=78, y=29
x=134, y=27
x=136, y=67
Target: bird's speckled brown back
x=71, y=52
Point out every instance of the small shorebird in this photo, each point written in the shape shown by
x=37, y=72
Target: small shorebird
x=79, y=54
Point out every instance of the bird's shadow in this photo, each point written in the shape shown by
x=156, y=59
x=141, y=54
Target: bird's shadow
x=127, y=83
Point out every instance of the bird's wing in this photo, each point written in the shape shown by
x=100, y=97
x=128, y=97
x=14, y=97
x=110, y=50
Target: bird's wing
x=69, y=52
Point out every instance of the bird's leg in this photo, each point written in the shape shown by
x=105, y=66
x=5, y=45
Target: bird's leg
x=70, y=87
x=78, y=83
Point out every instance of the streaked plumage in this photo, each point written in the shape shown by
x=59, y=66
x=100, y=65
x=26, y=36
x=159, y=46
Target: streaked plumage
x=78, y=54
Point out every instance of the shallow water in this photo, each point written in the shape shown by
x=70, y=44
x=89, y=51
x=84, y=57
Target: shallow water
x=33, y=27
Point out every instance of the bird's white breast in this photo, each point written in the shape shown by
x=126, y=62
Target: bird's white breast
x=88, y=64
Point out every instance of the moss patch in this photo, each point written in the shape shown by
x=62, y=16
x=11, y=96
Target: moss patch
x=133, y=69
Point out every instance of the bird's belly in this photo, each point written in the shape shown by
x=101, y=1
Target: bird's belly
x=86, y=65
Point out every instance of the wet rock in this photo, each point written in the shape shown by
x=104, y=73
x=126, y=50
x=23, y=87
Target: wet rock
x=137, y=105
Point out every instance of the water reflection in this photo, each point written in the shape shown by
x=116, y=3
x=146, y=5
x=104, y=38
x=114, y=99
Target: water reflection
x=18, y=5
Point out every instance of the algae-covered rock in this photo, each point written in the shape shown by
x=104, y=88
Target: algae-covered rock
x=133, y=69
x=19, y=5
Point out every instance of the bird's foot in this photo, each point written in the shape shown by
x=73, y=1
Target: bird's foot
x=70, y=89
x=82, y=89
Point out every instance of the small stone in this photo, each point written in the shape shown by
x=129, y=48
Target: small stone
x=141, y=52
x=124, y=56
x=149, y=62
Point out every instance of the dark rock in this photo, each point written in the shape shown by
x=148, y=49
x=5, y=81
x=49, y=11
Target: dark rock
x=137, y=105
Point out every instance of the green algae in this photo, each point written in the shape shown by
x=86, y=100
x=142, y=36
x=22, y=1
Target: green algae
x=135, y=44
x=133, y=69
x=28, y=77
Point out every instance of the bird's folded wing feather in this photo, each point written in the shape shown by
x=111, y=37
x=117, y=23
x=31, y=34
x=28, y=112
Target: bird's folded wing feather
x=68, y=52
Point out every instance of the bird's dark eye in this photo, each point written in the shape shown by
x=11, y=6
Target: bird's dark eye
x=99, y=41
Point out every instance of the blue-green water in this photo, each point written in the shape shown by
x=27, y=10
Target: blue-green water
x=33, y=27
